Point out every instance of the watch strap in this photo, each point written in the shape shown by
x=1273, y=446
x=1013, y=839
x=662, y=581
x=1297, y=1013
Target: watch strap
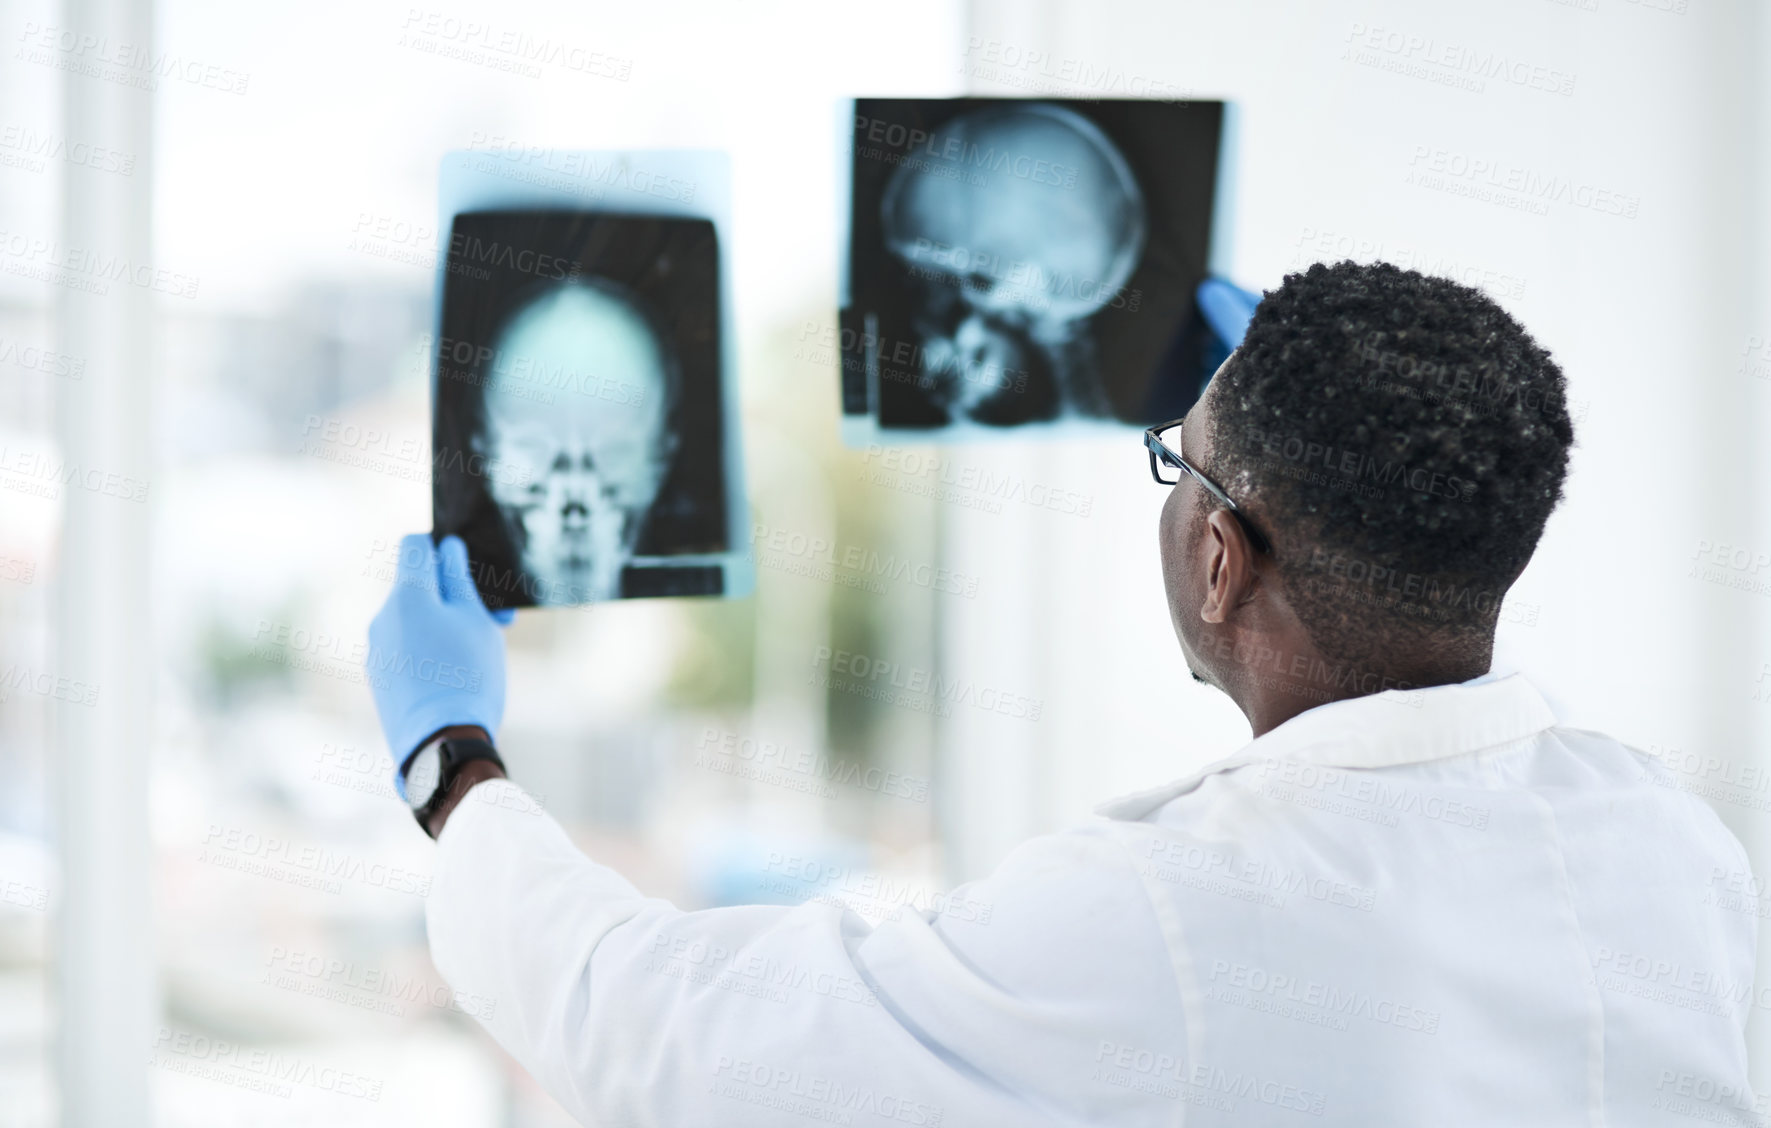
x=452, y=753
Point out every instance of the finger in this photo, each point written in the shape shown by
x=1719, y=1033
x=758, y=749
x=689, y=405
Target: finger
x=418, y=563
x=456, y=579
x=505, y=616
x=1227, y=309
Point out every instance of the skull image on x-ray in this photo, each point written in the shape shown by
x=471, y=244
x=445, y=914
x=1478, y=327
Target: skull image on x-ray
x=579, y=363
x=579, y=464
x=1017, y=223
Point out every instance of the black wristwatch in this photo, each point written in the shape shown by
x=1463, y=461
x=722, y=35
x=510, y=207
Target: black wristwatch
x=432, y=769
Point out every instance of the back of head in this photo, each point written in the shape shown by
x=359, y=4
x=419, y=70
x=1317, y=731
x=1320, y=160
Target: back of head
x=1403, y=441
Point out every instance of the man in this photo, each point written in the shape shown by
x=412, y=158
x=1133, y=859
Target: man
x=1412, y=899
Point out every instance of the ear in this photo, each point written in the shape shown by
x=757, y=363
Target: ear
x=1230, y=576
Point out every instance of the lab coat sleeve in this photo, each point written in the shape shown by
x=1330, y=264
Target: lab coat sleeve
x=988, y=1005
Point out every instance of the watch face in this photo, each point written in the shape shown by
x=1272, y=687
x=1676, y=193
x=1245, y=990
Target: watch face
x=421, y=777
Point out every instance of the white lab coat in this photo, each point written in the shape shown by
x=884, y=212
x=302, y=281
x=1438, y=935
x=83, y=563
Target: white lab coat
x=1423, y=908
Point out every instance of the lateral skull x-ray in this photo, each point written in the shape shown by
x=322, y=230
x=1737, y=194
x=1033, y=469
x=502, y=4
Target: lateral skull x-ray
x=989, y=251
x=577, y=371
x=1016, y=262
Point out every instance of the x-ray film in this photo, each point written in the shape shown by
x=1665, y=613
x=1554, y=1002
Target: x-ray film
x=1017, y=266
x=583, y=436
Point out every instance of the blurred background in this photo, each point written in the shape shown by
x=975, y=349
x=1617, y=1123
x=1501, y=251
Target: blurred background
x=218, y=239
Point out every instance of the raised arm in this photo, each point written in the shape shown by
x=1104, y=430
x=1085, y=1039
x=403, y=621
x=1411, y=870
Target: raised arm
x=977, y=1007
x=986, y=1006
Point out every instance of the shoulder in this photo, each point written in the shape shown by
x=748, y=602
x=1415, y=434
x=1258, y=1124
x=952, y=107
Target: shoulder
x=1681, y=786
x=1072, y=883
x=1080, y=872
x=1064, y=916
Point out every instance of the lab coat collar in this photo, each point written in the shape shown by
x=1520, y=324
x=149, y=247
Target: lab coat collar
x=1378, y=730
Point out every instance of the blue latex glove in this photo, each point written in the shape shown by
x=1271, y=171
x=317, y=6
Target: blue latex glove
x=1227, y=308
x=436, y=655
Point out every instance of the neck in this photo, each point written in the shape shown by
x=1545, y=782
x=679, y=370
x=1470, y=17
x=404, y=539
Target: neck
x=1268, y=701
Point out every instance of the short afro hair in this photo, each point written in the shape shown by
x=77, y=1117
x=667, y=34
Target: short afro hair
x=1402, y=441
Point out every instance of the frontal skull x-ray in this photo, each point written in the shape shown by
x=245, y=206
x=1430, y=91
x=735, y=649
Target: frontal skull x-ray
x=577, y=445
x=1025, y=262
x=578, y=472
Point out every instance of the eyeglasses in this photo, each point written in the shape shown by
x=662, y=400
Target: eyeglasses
x=1167, y=459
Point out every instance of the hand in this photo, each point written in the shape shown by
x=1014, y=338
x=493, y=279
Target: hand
x=436, y=655
x=1227, y=308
